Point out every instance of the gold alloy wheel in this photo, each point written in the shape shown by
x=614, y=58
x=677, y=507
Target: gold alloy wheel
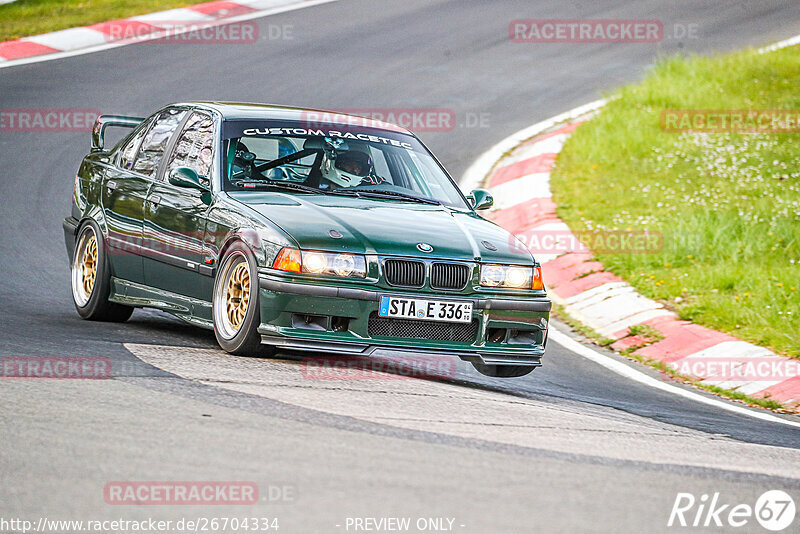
x=89, y=265
x=237, y=295
x=84, y=268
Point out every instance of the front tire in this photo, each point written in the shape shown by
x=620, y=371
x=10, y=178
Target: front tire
x=503, y=371
x=235, y=303
x=91, y=279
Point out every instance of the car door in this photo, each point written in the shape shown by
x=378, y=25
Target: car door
x=123, y=197
x=125, y=192
x=175, y=217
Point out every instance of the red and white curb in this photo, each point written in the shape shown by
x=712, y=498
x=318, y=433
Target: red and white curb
x=520, y=182
x=143, y=27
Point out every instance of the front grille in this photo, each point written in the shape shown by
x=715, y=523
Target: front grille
x=404, y=273
x=409, y=328
x=449, y=275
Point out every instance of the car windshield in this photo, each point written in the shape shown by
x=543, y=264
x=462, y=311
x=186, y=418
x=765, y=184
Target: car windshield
x=373, y=164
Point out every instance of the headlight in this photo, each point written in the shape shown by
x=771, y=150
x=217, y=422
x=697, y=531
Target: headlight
x=507, y=276
x=314, y=262
x=325, y=263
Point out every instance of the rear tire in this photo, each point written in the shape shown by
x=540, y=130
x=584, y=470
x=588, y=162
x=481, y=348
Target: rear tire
x=235, y=303
x=503, y=371
x=91, y=278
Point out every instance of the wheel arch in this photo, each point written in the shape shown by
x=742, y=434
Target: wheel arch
x=96, y=215
x=261, y=249
x=247, y=236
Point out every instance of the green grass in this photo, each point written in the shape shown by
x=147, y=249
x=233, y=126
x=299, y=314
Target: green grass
x=727, y=205
x=31, y=17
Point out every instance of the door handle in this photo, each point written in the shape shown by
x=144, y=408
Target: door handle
x=155, y=199
x=111, y=185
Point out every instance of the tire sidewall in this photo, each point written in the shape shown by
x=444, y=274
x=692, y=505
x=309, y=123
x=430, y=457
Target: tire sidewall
x=101, y=279
x=248, y=331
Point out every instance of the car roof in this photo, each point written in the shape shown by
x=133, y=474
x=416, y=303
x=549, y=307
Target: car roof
x=252, y=111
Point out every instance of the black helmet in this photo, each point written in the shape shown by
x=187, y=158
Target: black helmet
x=354, y=162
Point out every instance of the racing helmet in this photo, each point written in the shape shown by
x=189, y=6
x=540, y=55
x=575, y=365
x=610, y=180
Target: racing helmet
x=347, y=168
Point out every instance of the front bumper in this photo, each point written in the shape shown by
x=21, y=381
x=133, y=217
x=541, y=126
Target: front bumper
x=311, y=317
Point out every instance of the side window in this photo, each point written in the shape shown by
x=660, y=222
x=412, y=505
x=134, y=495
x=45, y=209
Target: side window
x=195, y=146
x=155, y=141
x=128, y=152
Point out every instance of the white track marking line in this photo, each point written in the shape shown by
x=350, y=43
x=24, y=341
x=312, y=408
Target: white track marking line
x=791, y=41
x=159, y=35
x=631, y=373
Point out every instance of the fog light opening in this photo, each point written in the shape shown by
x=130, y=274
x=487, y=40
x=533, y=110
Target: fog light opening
x=340, y=324
x=525, y=337
x=310, y=322
x=496, y=335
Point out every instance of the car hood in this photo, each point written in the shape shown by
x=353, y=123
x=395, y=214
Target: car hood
x=385, y=227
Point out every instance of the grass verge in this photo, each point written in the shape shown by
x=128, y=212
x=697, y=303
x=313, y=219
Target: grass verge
x=726, y=204
x=32, y=17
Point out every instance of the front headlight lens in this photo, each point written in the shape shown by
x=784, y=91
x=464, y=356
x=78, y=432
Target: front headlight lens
x=314, y=262
x=518, y=277
x=506, y=276
x=492, y=275
x=344, y=264
x=335, y=264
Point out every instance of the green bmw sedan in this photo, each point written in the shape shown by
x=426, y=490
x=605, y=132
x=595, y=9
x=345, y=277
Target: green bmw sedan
x=301, y=230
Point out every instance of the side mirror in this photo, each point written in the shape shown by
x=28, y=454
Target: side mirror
x=480, y=199
x=186, y=177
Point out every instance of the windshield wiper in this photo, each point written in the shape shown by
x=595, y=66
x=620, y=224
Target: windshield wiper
x=277, y=184
x=344, y=191
x=384, y=194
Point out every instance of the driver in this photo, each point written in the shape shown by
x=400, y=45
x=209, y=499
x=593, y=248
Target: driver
x=350, y=167
x=347, y=168
x=354, y=162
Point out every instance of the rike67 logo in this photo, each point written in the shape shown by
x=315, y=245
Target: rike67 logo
x=774, y=510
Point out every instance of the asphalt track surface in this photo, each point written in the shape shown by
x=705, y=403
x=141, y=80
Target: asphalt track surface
x=571, y=447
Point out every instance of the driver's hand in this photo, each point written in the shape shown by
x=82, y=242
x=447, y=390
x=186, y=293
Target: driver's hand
x=373, y=180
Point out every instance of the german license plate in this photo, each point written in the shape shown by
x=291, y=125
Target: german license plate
x=426, y=310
